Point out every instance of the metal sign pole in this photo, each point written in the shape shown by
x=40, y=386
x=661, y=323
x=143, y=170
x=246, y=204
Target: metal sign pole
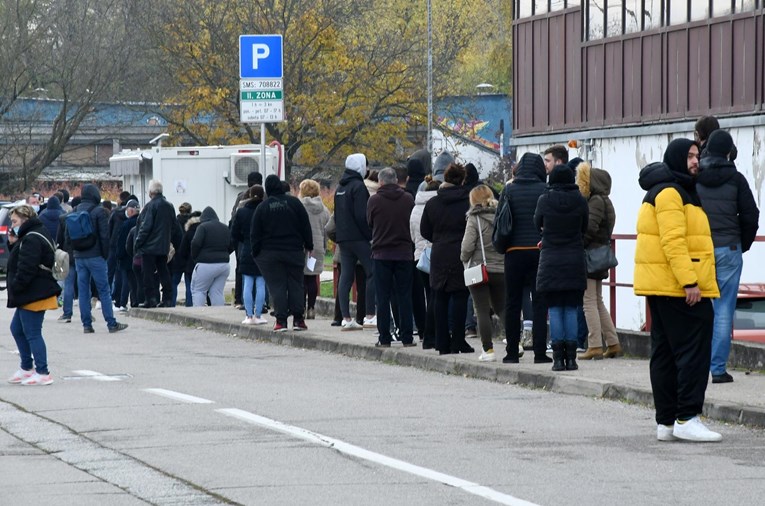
x=262, y=148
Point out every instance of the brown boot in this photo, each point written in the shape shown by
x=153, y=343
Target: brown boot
x=613, y=351
x=593, y=353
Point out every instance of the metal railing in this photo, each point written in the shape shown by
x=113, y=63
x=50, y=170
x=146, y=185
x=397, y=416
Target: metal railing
x=613, y=284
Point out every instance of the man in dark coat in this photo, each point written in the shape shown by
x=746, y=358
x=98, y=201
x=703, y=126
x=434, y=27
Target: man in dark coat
x=388, y=214
x=157, y=229
x=50, y=216
x=733, y=218
x=91, y=262
x=353, y=236
x=127, y=282
x=281, y=235
x=522, y=257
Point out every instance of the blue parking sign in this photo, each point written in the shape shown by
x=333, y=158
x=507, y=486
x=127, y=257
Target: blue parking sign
x=260, y=57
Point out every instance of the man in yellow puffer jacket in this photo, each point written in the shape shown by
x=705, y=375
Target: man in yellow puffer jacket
x=675, y=270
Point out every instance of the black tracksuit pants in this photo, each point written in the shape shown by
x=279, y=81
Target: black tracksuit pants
x=681, y=350
x=521, y=272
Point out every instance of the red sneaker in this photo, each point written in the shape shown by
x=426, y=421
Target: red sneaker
x=280, y=327
x=299, y=325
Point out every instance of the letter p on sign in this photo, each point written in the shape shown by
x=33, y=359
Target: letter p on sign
x=261, y=57
x=259, y=52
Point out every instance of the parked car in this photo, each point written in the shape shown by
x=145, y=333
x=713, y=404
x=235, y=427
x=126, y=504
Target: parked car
x=749, y=318
x=5, y=225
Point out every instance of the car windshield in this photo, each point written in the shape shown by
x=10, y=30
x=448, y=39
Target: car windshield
x=750, y=314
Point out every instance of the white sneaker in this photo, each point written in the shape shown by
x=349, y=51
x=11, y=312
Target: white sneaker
x=664, y=433
x=259, y=321
x=694, y=430
x=38, y=380
x=520, y=350
x=98, y=305
x=370, y=323
x=504, y=341
x=351, y=325
x=248, y=321
x=20, y=376
x=487, y=356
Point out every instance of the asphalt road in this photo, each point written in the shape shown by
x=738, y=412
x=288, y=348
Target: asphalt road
x=274, y=425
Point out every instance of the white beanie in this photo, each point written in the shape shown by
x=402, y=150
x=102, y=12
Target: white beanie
x=357, y=162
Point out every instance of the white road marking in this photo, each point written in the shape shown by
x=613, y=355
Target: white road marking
x=178, y=396
x=356, y=451
x=96, y=375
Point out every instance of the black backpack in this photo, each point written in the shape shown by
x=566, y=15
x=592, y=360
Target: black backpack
x=503, y=225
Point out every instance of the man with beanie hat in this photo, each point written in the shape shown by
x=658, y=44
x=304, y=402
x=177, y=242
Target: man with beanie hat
x=734, y=218
x=674, y=269
x=354, y=236
x=281, y=235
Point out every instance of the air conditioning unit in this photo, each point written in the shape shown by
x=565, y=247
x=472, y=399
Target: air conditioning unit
x=241, y=166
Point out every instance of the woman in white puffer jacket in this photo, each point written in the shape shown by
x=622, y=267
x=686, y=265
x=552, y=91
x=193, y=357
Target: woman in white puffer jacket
x=428, y=334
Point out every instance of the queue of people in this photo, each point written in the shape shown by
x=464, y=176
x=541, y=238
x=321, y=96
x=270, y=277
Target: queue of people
x=407, y=236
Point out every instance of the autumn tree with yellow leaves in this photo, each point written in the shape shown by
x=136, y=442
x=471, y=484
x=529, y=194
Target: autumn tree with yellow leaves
x=354, y=70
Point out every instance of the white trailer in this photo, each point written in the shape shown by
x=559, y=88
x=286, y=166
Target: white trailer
x=200, y=175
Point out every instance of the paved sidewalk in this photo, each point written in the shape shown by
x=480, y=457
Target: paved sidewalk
x=618, y=379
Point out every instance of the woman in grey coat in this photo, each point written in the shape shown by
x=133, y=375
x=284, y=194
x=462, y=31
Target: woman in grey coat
x=318, y=216
x=486, y=296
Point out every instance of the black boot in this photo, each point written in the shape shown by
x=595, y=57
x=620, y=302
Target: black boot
x=558, y=356
x=571, y=356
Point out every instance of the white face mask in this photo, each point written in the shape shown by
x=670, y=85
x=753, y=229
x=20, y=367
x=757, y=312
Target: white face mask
x=36, y=208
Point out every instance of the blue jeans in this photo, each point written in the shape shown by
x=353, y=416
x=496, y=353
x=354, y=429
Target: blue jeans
x=564, y=324
x=26, y=328
x=260, y=296
x=69, y=291
x=96, y=268
x=728, y=264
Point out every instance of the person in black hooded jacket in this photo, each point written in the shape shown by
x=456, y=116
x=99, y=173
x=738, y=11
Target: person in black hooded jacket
x=281, y=235
x=522, y=257
x=562, y=217
x=31, y=290
x=210, y=249
x=443, y=224
x=354, y=235
x=733, y=218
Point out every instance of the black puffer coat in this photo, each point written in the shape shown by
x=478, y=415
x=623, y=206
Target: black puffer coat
x=522, y=194
x=728, y=201
x=240, y=234
x=26, y=281
x=595, y=186
x=562, y=217
x=443, y=224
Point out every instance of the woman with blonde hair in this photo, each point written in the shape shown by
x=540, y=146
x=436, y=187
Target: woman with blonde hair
x=595, y=186
x=318, y=216
x=32, y=290
x=476, y=246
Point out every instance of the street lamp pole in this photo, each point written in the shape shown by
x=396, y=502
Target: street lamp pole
x=430, y=81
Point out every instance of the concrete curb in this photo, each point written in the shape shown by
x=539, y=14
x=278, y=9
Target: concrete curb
x=744, y=356
x=453, y=364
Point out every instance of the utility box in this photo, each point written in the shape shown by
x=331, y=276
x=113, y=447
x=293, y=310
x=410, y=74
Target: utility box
x=200, y=175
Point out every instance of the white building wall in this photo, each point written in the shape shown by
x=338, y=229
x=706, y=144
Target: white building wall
x=623, y=157
x=465, y=152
